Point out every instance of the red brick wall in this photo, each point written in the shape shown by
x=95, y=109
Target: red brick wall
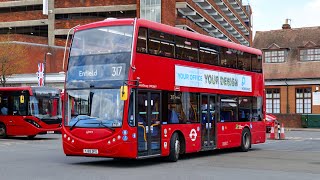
x=21, y=16
x=24, y=38
x=36, y=54
x=67, y=24
x=138, y=8
x=88, y=3
x=290, y=120
x=292, y=98
x=168, y=12
x=60, y=42
x=54, y=61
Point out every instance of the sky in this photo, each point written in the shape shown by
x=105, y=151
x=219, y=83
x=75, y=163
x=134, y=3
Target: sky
x=271, y=14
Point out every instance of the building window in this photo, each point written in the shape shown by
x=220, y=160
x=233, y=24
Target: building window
x=303, y=100
x=274, y=56
x=310, y=54
x=150, y=10
x=273, y=100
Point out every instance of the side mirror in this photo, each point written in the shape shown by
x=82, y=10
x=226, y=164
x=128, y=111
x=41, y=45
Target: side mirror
x=124, y=93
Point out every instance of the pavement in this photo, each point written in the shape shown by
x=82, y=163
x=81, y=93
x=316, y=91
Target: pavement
x=303, y=129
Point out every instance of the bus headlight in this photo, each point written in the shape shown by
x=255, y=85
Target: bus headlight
x=33, y=123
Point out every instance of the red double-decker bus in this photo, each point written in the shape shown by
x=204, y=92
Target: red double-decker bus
x=29, y=111
x=139, y=89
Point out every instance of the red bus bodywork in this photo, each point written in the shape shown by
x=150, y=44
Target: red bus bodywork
x=26, y=125
x=159, y=74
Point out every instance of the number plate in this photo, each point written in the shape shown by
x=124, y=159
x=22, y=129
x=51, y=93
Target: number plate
x=50, y=132
x=90, y=151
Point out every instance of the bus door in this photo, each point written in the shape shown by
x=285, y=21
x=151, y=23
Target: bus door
x=148, y=121
x=208, y=120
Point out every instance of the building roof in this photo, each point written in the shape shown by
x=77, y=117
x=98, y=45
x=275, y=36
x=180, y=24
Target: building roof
x=292, y=40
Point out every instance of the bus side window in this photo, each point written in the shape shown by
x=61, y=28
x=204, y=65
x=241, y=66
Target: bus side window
x=154, y=47
x=160, y=43
x=175, y=111
x=4, y=105
x=142, y=40
x=256, y=63
x=229, y=106
x=209, y=54
x=131, y=110
x=245, y=109
x=244, y=62
x=190, y=103
x=186, y=49
x=257, y=109
x=228, y=58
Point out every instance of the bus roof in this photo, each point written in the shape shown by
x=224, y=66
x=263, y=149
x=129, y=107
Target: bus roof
x=29, y=88
x=20, y=88
x=171, y=30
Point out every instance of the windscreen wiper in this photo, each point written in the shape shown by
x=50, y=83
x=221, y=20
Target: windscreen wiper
x=74, y=125
x=101, y=123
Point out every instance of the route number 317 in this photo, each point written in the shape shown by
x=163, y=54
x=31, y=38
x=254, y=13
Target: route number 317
x=116, y=71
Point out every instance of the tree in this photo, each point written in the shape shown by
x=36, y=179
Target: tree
x=11, y=59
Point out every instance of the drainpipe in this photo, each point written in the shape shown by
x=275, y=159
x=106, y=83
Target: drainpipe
x=287, y=96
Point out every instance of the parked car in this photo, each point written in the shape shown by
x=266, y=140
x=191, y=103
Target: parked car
x=270, y=120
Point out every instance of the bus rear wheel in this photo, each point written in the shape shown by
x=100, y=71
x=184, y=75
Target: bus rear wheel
x=174, y=148
x=245, y=140
x=3, y=131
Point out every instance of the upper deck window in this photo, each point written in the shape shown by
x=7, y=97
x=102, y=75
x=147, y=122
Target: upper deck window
x=275, y=56
x=186, y=49
x=99, y=57
x=228, y=58
x=102, y=40
x=310, y=54
x=209, y=54
x=256, y=63
x=244, y=61
x=142, y=40
x=173, y=46
x=161, y=43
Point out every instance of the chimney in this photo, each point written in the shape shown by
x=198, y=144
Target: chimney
x=286, y=25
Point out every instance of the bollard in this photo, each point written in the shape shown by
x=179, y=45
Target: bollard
x=272, y=135
x=279, y=131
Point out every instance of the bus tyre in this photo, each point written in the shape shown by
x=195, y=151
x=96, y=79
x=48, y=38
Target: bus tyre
x=3, y=131
x=31, y=137
x=174, y=148
x=245, y=140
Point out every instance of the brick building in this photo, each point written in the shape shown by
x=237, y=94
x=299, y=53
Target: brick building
x=24, y=21
x=291, y=66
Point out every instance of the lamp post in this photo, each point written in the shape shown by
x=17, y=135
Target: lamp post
x=45, y=68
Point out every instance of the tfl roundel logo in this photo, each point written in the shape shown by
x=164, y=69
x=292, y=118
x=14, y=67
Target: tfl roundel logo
x=243, y=82
x=193, y=135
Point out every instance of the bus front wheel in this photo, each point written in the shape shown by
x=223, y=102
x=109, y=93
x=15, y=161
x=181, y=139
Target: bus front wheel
x=3, y=131
x=174, y=148
x=245, y=140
